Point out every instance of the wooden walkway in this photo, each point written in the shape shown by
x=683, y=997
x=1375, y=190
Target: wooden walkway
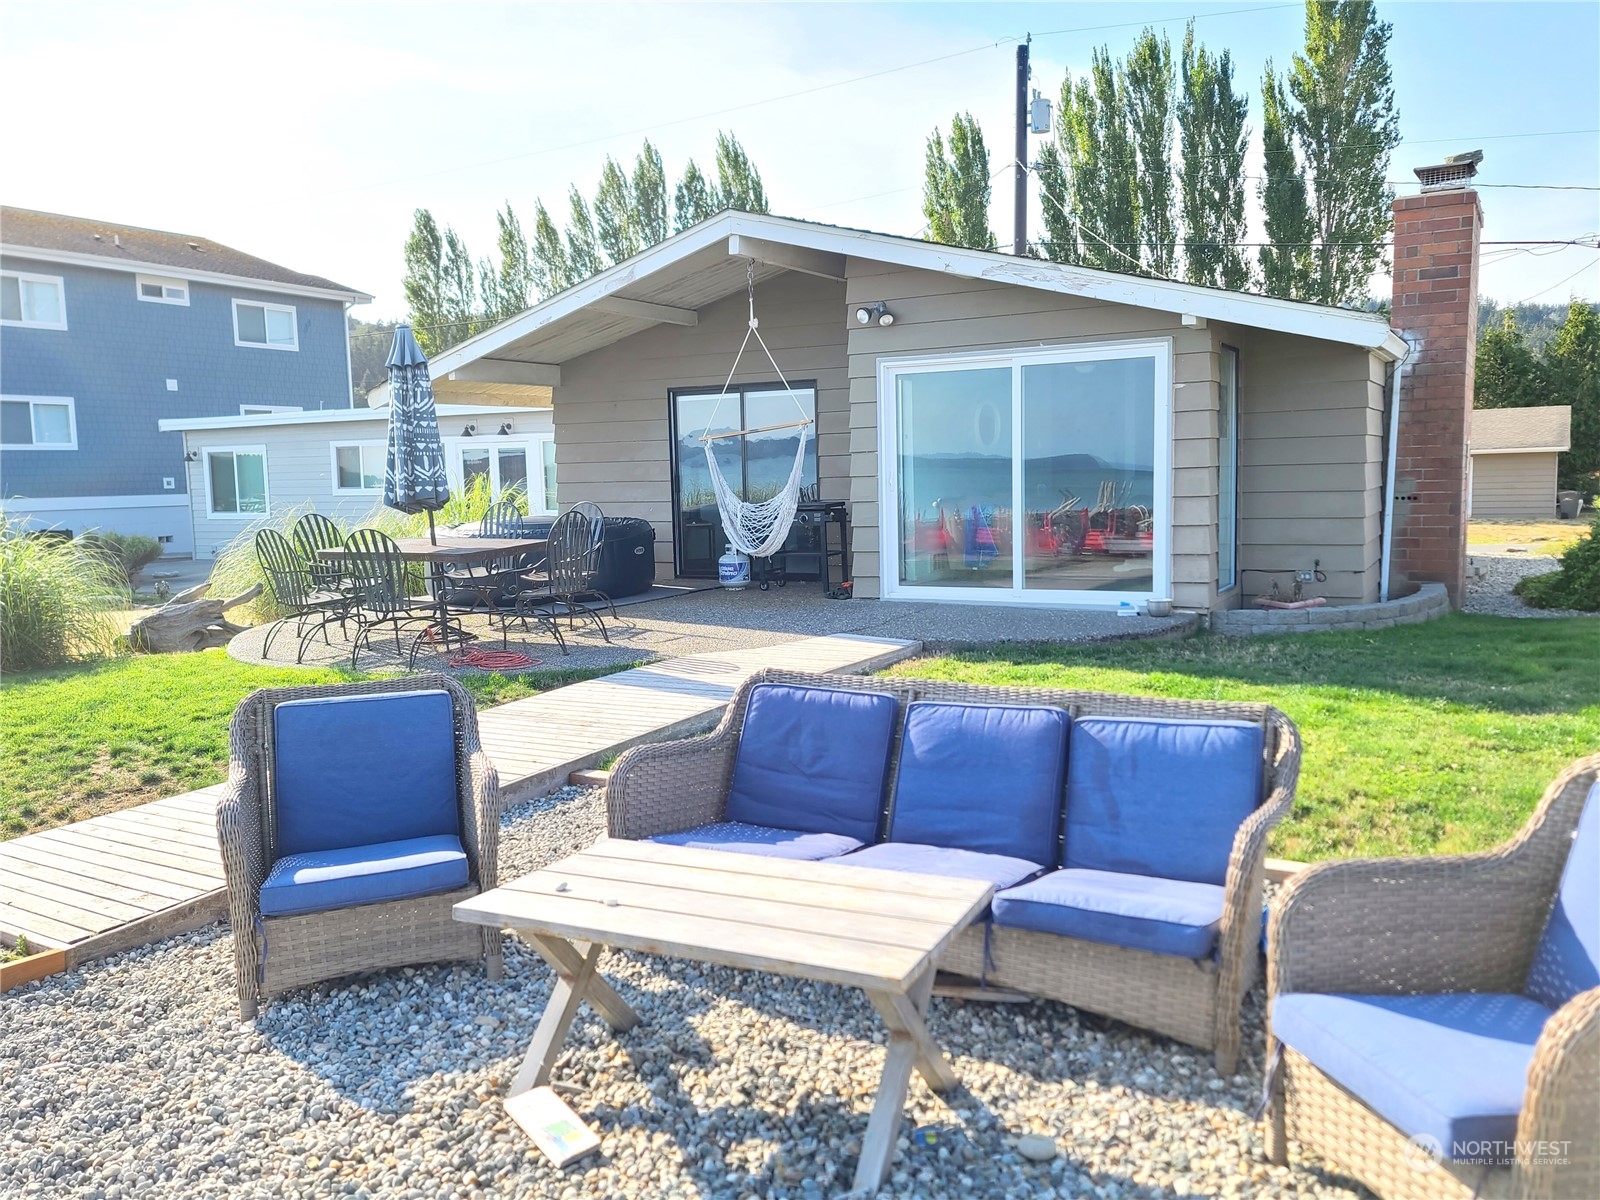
x=110, y=883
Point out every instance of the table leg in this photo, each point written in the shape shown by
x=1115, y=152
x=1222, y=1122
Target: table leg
x=576, y=983
x=911, y=1046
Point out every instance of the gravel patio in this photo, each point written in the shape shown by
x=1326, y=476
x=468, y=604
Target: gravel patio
x=133, y=1077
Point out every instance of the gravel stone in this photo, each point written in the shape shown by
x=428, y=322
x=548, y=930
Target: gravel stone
x=133, y=1078
x=1490, y=578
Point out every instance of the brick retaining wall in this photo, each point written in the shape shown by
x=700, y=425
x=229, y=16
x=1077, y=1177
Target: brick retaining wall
x=1425, y=604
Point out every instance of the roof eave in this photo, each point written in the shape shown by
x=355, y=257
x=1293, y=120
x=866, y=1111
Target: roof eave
x=106, y=261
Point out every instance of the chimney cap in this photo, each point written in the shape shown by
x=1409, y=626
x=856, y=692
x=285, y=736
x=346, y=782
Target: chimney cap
x=1456, y=171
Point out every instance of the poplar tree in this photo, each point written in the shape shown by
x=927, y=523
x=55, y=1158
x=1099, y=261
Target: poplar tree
x=583, y=251
x=957, y=186
x=459, y=292
x=507, y=286
x=616, y=224
x=738, y=181
x=1147, y=87
x=550, y=270
x=694, y=199
x=1212, y=137
x=1099, y=162
x=650, y=197
x=424, y=280
x=1286, y=260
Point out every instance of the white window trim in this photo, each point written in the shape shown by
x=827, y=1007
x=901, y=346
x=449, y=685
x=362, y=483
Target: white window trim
x=333, y=467
x=72, y=420
x=261, y=410
x=163, y=282
x=533, y=443
x=34, y=277
x=889, y=369
x=1238, y=447
x=205, y=471
x=294, y=320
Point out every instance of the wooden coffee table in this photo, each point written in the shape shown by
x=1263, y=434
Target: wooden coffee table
x=879, y=931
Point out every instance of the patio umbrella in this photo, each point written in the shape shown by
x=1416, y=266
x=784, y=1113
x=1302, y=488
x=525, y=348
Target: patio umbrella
x=413, y=479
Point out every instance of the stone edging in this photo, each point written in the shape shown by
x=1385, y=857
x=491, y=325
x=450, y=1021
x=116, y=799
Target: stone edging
x=1425, y=604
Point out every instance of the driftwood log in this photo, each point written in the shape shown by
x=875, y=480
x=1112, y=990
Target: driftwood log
x=188, y=622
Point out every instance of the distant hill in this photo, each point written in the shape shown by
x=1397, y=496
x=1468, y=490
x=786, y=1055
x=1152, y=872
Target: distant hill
x=1538, y=322
x=369, y=352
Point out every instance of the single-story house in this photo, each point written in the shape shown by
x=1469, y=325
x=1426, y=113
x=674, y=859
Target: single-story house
x=242, y=468
x=1514, y=455
x=1003, y=429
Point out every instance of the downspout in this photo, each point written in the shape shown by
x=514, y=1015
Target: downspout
x=1391, y=454
x=349, y=371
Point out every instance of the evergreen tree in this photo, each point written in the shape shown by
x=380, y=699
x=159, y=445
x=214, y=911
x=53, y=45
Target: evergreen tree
x=550, y=271
x=1508, y=373
x=1147, y=88
x=616, y=223
x=1572, y=365
x=583, y=252
x=1212, y=136
x=1345, y=127
x=459, y=292
x=424, y=281
x=956, y=186
x=650, y=197
x=738, y=181
x=1286, y=261
x=694, y=200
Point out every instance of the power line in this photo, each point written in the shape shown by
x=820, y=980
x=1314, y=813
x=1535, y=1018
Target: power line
x=1555, y=285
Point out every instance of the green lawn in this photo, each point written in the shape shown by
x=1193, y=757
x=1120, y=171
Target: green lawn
x=88, y=739
x=1422, y=739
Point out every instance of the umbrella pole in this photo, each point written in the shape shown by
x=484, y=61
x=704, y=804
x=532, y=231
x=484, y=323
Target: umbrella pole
x=432, y=537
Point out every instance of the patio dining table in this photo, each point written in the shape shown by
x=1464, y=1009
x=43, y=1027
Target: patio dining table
x=880, y=931
x=449, y=551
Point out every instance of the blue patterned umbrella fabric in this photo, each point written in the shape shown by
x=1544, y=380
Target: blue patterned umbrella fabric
x=414, y=477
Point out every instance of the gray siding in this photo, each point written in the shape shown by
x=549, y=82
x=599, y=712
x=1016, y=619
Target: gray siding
x=1514, y=485
x=115, y=357
x=612, y=443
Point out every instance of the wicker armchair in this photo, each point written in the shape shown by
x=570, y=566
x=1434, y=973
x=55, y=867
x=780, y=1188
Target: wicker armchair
x=275, y=953
x=1468, y=923
x=672, y=786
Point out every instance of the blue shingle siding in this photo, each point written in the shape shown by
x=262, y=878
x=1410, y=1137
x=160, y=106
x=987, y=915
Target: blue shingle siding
x=115, y=357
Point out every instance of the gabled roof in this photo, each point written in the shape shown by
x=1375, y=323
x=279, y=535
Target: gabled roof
x=58, y=238
x=1504, y=430
x=706, y=262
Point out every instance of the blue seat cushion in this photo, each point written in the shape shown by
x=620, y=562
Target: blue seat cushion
x=351, y=770
x=985, y=778
x=813, y=760
x=317, y=880
x=997, y=869
x=761, y=839
x=1568, y=958
x=1157, y=796
x=1453, y=1066
x=1164, y=916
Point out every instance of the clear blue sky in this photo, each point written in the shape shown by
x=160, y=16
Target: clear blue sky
x=308, y=134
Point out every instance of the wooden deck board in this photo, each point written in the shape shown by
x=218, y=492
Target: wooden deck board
x=120, y=880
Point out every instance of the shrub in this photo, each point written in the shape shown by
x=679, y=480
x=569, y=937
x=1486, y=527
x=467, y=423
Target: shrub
x=132, y=552
x=1576, y=584
x=56, y=600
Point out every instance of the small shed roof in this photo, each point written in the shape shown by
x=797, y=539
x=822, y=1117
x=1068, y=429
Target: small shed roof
x=1521, y=430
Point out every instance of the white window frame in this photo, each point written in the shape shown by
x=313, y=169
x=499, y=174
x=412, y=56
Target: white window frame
x=33, y=277
x=333, y=467
x=266, y=482
x=294, y=322
x=163, y=282
x=1228, y=530
x=532, y=443
x=58, y=401
x=262, y=410
x=890, y=369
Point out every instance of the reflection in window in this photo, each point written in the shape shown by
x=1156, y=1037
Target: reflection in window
x=237, y=481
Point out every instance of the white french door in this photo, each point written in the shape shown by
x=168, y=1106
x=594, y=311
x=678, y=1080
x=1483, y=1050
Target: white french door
x=1028, y=476
x=526, y=465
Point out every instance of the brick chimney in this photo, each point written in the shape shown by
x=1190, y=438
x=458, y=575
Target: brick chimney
x=1435, y=308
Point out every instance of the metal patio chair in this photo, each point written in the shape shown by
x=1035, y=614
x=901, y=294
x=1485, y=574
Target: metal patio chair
x=379, y=583
x=312, y=534
x=293, y=587
x=596, y=517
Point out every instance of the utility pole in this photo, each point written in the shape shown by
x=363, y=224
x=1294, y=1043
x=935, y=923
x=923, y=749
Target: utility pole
x=1019, y=243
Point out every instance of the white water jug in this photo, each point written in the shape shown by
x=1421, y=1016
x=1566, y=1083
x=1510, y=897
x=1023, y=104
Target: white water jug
x=733, y=570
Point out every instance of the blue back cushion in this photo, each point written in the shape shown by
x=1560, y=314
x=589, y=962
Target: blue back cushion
x=813, y=760
x=1568, y=959
x=981, y=777
x=356, y=770
x=1161, y=797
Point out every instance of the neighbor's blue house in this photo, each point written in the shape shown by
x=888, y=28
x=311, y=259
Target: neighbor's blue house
x=107, y=329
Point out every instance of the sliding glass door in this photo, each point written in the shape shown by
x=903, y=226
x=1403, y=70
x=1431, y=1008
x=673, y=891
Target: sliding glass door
x=1040, y=476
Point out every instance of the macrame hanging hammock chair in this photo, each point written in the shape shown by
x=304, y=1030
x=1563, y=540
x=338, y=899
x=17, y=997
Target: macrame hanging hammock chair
x=756, y=529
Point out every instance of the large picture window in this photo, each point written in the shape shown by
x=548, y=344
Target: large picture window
x=236, y=481
x=1038, y=476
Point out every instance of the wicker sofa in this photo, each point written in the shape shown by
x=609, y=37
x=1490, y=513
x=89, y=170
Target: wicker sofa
x=945, y=802
x=1428, y=1011
x=355, y=816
